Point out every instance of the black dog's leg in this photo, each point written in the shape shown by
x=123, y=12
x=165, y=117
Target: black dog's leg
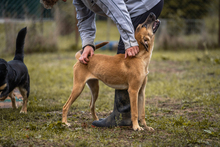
x=12, y=96
x=25, y=94
x=25, y=100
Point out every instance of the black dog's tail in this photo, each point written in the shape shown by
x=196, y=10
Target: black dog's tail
x=19, y=53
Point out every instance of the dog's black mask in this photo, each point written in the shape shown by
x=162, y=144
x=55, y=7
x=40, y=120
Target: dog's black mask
x=152, y=21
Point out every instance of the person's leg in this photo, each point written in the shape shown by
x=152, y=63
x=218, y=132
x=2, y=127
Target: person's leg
x=121, y=115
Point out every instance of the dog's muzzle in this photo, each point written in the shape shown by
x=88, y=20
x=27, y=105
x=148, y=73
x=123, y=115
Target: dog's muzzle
x=156, y=25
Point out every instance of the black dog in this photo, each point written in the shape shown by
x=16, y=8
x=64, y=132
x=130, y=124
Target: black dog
x=15, y=74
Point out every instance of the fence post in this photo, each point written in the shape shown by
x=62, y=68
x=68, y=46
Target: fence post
x=76, y=30
x=41, y=19
x=108, y=29
x=219, y=23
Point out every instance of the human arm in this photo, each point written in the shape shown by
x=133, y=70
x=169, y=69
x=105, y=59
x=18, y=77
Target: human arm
x=87, y=28
x=132, y=51
x=117, y=11
x=88, y=50
x=86, y=23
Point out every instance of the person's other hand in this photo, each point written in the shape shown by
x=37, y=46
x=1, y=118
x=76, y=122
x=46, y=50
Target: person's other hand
x=132, y=51
x=88, y=50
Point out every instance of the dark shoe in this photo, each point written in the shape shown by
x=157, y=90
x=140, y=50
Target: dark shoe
x=121, y=115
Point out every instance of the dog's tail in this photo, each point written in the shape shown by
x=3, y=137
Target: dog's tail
x=19, y=53
x=78, y=54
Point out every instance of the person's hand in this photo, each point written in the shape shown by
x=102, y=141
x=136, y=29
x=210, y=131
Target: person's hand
x=88, y=50
x=132, y=51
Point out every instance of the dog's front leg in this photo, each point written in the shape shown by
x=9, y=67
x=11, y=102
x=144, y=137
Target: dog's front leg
x=141, y=106
x=133, y=95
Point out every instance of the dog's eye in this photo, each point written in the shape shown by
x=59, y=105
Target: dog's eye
x=144, y=25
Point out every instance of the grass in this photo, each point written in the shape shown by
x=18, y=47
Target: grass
x=182, y=104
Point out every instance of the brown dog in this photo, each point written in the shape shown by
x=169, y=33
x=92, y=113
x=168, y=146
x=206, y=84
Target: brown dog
x=118, y=72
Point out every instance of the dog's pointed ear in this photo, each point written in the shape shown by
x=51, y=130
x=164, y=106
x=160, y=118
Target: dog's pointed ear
x=138, y=28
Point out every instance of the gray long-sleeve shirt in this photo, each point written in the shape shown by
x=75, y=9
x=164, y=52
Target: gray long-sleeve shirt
x=120, y=11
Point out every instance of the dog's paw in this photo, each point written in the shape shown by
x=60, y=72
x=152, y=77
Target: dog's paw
x=150, y=129
x=67, y=124
x=14, y=106
x=24, y=112
x=137, y=128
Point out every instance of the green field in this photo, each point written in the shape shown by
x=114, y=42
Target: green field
x=182, y=104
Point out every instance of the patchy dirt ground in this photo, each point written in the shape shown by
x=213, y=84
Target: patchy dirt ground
x=182, y=105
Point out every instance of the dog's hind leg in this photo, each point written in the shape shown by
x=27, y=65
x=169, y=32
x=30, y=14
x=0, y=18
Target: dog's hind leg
x=94, y=88
x=12, y=96
x=25, y=90
x=141, y=106
x=24, y=94
x=77, y=89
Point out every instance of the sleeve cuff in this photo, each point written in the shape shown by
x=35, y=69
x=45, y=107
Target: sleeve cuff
x=89, y=45
x=130, y=44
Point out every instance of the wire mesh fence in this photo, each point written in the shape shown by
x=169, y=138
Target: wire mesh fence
x=23, y=9
x=55, y=29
